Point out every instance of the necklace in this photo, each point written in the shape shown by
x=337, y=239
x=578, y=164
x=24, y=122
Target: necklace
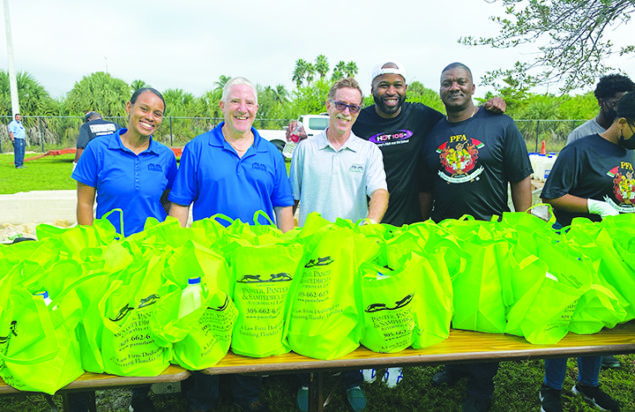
x=459, y=121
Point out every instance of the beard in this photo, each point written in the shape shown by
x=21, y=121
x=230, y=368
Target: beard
x=390, y=110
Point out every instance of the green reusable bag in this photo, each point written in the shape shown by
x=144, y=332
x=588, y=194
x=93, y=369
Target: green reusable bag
x=323, y=320
x=38, y=348
x=387, y=311
x=201, y=338
x=616, y=267
x=263, y=275
x=478, y=296
x=596, y=309
x=122, y=324
x=434, y=296
x=543, y=313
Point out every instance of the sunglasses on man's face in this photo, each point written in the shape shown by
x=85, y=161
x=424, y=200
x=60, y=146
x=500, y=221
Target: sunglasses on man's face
x=341, y=106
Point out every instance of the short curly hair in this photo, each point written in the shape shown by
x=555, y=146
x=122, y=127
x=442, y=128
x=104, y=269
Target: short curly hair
x=611, y=84
x=626, y=107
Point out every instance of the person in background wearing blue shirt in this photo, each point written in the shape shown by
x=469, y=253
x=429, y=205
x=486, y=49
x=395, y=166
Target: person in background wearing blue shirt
x=232, y=170
x=128, y=169
x=18, y=139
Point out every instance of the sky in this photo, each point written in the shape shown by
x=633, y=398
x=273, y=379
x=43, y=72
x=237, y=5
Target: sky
x=188, y=44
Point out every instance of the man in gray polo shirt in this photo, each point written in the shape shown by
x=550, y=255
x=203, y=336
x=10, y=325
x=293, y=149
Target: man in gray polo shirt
x=335, y=172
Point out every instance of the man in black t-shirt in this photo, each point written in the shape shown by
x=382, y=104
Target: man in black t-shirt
x=399, y=130
x=468, y=160
x=93, y=127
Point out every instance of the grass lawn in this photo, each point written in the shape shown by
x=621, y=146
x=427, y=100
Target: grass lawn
x=47, y=173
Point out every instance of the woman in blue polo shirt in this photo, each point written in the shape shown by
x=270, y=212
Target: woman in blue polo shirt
x=128, y=169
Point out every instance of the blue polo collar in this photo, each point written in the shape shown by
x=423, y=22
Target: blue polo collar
x=218, y=140
x=117, y=144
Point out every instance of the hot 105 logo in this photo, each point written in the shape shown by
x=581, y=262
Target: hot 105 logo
x=398, y=136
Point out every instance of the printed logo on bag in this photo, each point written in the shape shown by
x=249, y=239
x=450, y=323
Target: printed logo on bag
x=459, y=157
x=323, y=261
x=122, y=313
x=5, y=339
x=273, y=277
x=150, y=300
x=391, y=138
x=623, y=188
x=221, y=307
x=376, y=307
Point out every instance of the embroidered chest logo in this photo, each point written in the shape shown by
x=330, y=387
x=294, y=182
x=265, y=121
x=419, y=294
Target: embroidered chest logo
x=391, y=138
x=459, y=157
x=623, y=188
x=259, y=166
x=153, y=167
x=357, y=168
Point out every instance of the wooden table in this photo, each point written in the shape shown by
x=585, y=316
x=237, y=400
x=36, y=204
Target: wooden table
x=461, y=347
x=91, y=381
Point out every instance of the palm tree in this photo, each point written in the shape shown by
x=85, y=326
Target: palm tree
x=350, y=69
x=222, y=81
x=338, y=71
x=138, y=84
x=321, y=65
x=299, y=72
x=310, y=73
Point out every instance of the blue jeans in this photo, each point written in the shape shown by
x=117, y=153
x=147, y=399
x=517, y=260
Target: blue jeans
x=204, y=393
x=18, y=152
x=588, y=371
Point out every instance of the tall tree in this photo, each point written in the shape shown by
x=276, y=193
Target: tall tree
x=101, y=92
x=299, y=72
x=178, y=102
x=338, y=71
x=573, y=38
x=222, y=81
x=350, y=69
x=310, y=73
x=34, y=99
x=321, y=65
x=138, y=84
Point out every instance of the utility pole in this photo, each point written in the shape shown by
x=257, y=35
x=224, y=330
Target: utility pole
x=13, y=84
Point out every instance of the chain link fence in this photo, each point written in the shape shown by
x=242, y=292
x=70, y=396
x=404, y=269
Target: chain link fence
x=44, y=133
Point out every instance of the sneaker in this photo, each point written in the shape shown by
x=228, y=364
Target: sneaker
x=303, y=399
x=255, y=406
x=476, y=405
x=356, y=398
x=610, y=361
x=445, y=378
x=550, y=399
x=597, y=397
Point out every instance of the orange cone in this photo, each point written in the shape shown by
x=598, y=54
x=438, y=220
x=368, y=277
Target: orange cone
x=542, y=148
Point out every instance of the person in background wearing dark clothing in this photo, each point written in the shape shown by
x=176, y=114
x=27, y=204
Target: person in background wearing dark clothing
x=593, y=178
x=93, y=126
x=468, y=161
x=608, y=92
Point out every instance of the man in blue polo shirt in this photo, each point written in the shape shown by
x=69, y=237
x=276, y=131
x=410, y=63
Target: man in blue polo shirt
x=233, y=171
x=18, y=138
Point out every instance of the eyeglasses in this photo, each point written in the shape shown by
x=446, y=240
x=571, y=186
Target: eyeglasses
x=341, y=106
x=611, y=103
